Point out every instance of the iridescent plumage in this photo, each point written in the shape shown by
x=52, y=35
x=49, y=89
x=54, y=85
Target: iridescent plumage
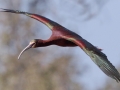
x=61, y=36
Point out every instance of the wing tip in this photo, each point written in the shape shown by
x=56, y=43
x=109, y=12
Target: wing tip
x=8, y=10
x=117, y=79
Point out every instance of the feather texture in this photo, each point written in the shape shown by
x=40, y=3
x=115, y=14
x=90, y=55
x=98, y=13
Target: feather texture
x=66, y=36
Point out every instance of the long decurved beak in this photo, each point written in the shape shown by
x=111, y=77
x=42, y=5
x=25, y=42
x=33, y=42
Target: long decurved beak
x=26, y=48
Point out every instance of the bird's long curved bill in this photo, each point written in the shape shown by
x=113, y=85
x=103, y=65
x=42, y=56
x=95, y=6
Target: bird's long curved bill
x=26, y=48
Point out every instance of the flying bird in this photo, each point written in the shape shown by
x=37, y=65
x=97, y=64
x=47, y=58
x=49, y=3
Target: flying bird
x=61, y=36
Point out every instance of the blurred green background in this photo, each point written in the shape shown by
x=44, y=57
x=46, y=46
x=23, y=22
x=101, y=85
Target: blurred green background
x=46, y=68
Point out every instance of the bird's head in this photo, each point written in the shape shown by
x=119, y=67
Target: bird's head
x=32, y=44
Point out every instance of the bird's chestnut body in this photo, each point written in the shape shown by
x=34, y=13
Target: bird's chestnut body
x=61, y=36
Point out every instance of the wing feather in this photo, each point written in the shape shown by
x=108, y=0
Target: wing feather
x=98, y=57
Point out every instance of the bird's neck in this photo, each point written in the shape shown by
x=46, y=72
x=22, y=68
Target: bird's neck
x=43, y=43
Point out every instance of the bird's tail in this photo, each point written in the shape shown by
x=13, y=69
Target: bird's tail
x=40, y=18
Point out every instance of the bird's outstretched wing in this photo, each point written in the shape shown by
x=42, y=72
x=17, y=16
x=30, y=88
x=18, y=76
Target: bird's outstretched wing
x=95, y=54
x=49, y=23
x=98, y=57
